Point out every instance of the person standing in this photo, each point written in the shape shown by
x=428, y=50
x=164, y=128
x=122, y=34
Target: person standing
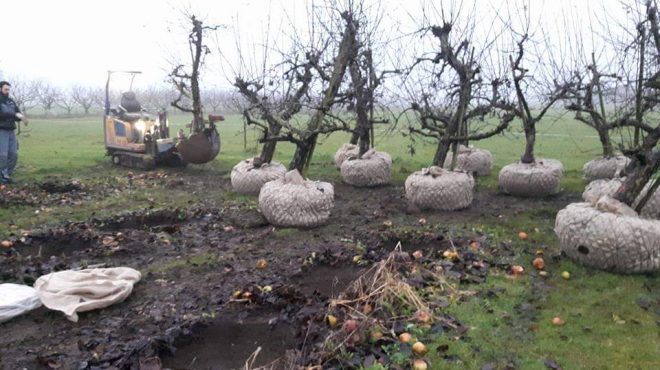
x=9, y=115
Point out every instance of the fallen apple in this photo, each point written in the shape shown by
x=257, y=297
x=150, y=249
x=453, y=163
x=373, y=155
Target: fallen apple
x=450, y=254
x=332, y=321
x=566, y=275
x=558, y=321
x=419, y=364
x=422, y=221
x=419, y=349
x=6, y=244
x=522, y=235
x=517, y=270
x=422, y=316
x=538, y=263
x=350, y=326
x=405, y=337
x=262, y=264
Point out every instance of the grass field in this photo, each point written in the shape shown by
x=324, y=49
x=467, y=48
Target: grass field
x=54, y=146
x=606, y=327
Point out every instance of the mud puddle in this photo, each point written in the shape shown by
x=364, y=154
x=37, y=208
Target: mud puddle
x=229, y=341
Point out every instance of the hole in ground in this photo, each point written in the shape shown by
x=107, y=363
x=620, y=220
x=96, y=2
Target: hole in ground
x=327, y=280
x=142, y=220
x=228, y=341
x=55, y=245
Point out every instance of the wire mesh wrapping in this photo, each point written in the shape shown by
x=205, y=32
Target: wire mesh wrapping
x=373, y=169
x=538, y=179
x=437, y=188
x=609, y=235
x=472, y=160
x=598, y=188
x=604, y=168
x=295, y=202
x=344, y=152
x=248, y=179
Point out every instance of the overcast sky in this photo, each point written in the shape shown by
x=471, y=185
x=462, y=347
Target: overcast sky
x=77, y=41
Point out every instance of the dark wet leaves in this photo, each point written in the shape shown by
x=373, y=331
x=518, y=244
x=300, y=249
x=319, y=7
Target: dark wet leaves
x=552, y=364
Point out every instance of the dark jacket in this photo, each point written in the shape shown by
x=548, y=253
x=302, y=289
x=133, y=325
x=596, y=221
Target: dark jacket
x=8, y=110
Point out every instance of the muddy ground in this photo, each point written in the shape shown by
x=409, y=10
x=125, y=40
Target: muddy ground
x=202, y=303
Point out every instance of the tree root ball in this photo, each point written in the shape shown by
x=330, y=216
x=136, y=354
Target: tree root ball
x=346, y=151
x=604, y=168
x=440, y=189
x=609, y=235
x=294, y=202
x=472, y=160
x=372, y=169
x=598, y=188
x=248, y=179
x=537, y=179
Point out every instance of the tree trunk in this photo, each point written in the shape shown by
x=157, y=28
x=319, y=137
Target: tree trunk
x=638, y=173
x=268, y=150
x=635, y=181
x=355, y=137
x=338, y=71
x=301, y=156
x=441, y=152
x=530, y=139
x=198, y=118
x=606, y=143
x=640, y=83
x=361, y=105
x=312, y=146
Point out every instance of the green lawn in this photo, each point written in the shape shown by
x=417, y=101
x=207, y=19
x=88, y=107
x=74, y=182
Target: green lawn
x=59, y=145
x=605, y=327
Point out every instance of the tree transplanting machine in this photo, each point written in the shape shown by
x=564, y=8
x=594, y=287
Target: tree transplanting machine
x=133, y=138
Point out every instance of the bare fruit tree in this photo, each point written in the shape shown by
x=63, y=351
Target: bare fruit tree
x=66, y=101
x=447, y=92
x=25, y=92
x=367, y=76
x=588, y=102
x=311, y=81
x=641, y=75
x=49, y=95
x=186, y=78
x=529, y=85
x=83, y=96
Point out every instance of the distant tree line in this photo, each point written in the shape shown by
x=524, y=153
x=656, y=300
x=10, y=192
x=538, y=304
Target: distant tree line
x=42, y=98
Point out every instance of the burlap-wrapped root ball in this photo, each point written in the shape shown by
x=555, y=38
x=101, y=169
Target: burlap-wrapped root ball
x=604, y=168
x=295, y=202
x=372, y=169
x=598, y=188
x=248, y=179
x=437, y=188
x=609, y=235
x=346, y=151
x=537, y=179
x=471, y=160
